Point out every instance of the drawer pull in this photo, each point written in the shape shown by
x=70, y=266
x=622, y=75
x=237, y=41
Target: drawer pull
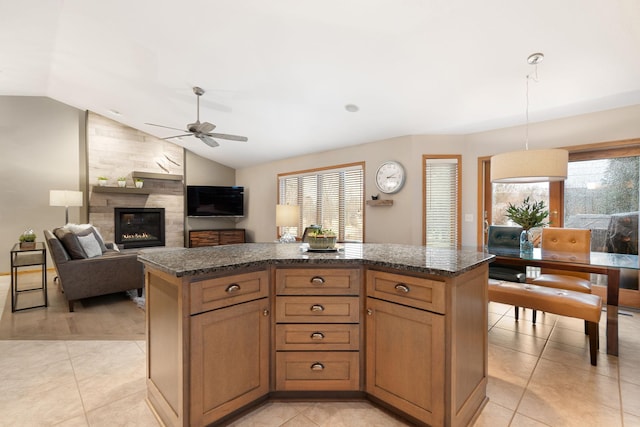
x=234, y=287
x=402, y=288
x=265, y=312
x=317, y=336
x=317, y=308
x=369, y=312
x=317, y=280
x=317, y=366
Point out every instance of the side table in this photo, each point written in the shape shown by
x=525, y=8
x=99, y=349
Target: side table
x=34, y=256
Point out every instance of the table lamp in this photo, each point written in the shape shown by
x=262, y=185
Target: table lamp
x=287, y=216
x=65, y=198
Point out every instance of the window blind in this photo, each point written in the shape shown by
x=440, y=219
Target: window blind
x=441, y=201
x=332, y=198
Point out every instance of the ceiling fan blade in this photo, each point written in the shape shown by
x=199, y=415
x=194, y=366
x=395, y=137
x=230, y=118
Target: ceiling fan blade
x=166, y=127
x=210, y=142
x=227, y=136
x=206, y=127
x=178, y=136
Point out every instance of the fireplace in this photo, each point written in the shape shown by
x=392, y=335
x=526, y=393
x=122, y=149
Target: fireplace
x=139, y=227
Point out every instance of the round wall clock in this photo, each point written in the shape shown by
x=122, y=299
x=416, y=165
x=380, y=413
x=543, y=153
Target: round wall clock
x=390, y=177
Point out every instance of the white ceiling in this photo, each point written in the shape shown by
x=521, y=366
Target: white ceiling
x=281, y=71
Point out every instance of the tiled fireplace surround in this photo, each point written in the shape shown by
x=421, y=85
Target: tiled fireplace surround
x=115, y=150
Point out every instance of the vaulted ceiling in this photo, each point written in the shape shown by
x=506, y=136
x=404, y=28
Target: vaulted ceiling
x=280, y=72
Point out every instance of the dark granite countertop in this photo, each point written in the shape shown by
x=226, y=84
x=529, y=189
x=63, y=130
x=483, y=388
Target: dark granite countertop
x=194, y=261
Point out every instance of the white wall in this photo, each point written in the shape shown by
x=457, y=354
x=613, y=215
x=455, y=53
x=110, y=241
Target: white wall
x=40, y=143
x=402, y=222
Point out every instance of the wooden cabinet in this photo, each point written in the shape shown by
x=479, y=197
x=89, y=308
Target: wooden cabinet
x=405, y=359
x=198, y=238
x=214, y=348
x=209, y=344
x=317, y=314
x=229, y=360
x=426, y=350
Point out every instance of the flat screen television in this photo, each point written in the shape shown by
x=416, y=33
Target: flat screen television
x=206, y=200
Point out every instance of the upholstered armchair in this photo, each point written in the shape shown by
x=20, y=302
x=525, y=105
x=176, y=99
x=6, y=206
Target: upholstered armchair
x=109, y=272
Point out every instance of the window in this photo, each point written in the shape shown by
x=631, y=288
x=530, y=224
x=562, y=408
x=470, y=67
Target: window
x=442, y=200
x=332, y=198
x=602, y=195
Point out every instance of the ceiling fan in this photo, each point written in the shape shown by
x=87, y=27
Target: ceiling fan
x=202, y=131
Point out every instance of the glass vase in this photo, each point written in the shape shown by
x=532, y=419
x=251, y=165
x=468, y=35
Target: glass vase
x=526, y=242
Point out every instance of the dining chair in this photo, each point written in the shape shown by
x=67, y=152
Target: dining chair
x=505, y=240
x=568, y=245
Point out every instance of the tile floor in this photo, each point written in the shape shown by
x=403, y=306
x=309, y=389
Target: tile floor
x=538, y=376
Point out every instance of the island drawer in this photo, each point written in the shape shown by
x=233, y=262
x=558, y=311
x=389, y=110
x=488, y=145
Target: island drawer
x=318, y=281
x=220, y=292
x=319, y=337
x=415, y=292
x=310, y=370
x=317, y=309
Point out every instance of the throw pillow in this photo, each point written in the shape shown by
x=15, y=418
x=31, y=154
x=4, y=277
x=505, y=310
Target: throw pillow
x=90, y=245
x=83, y=229
x=70, y=242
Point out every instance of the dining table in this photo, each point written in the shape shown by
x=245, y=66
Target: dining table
x=605, y=263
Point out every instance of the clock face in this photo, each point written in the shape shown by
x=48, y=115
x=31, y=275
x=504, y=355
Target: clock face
x=390, y=177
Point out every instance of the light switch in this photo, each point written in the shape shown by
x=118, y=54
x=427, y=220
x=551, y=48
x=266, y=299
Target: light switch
x=468, y=217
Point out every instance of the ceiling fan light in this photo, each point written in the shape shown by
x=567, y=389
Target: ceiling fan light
x=518, y=167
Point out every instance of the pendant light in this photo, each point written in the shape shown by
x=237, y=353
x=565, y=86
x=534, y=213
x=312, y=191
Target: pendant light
x=530, y=165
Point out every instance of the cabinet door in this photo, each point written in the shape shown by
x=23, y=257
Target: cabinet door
x=229, y=360
x=405, y=359
x=230, y=237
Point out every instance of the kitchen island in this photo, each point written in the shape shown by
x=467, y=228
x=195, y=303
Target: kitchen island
x=231, y=326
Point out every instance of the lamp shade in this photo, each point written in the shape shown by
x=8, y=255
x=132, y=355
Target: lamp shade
x=65, y=198
x=530, y=166
x=287, y=215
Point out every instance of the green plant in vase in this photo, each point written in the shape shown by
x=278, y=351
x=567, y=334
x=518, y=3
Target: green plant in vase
x=27, y=239
x=529, y=214
x=323, y=238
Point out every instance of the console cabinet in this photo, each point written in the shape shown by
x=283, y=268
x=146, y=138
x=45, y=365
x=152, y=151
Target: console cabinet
x=230, y=236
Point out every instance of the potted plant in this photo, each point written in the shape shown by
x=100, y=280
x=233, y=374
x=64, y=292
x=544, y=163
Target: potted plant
x=122, y=181
x=138, y=182
x=102, y=181
x=322, y=238
x=530, y=214
x=28, y=240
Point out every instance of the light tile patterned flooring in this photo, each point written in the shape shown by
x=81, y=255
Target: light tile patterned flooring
x=538, y=376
